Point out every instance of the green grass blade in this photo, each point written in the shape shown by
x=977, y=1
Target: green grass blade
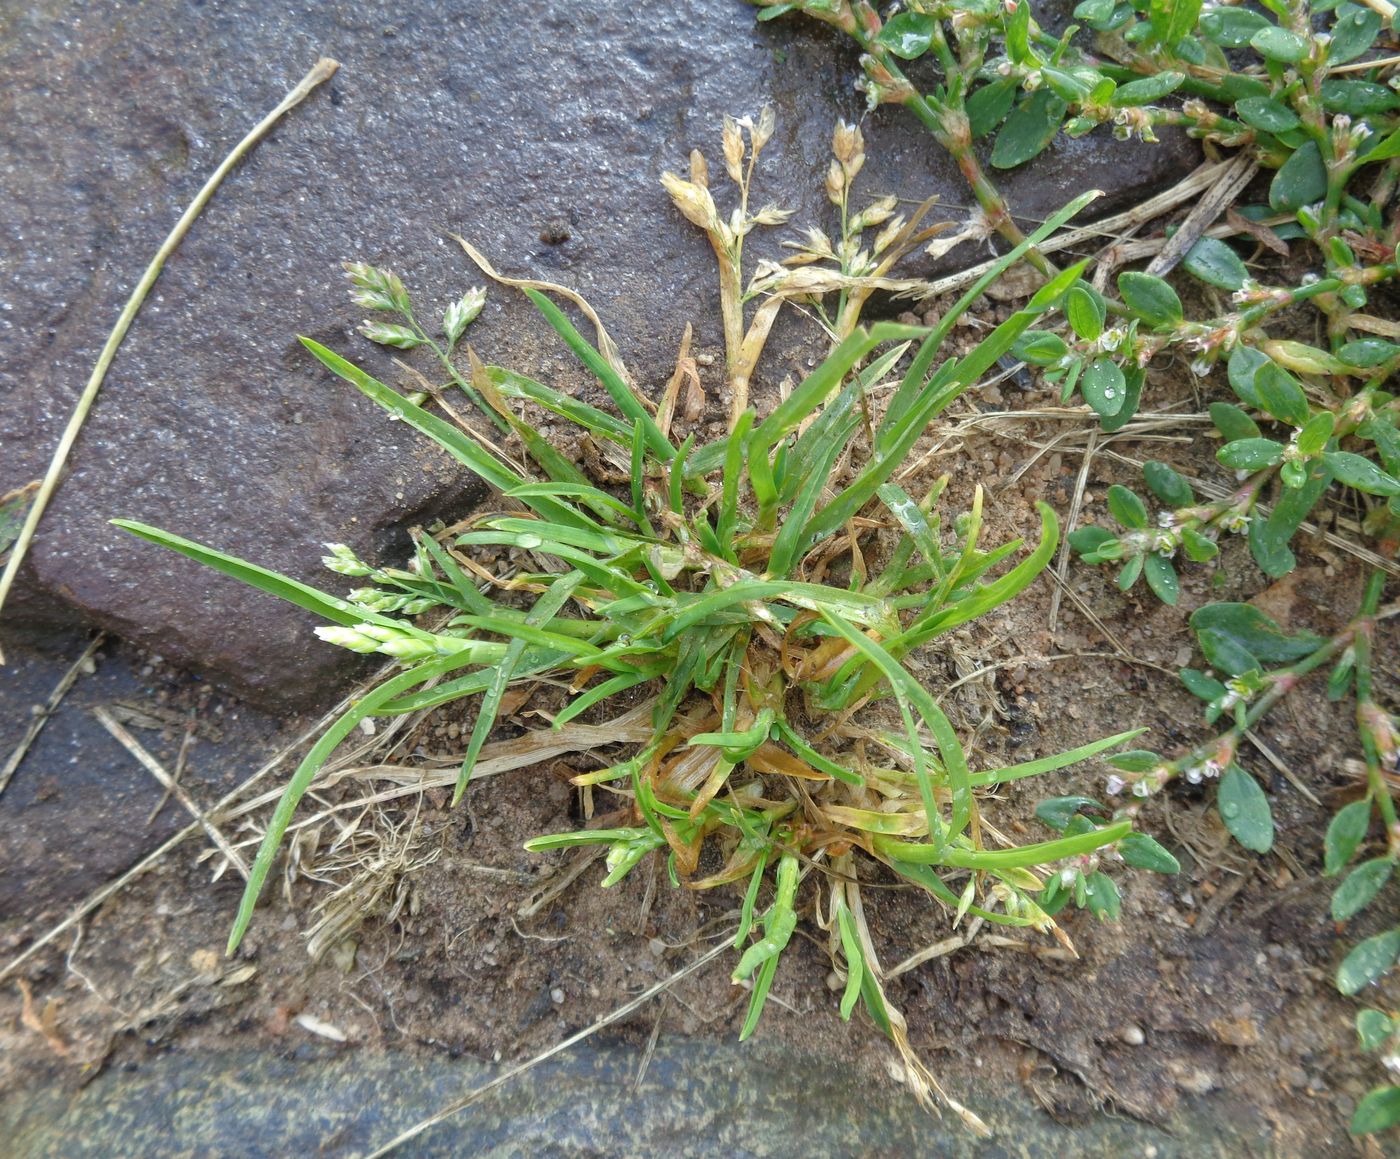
x=818, y=386
x=621, y=393
x=729, y=488
x=911, y=518
x=1050, y=764
x=274, y=583
x=909, y=692
x=802, y=749
x=595, y=497
x=460, y=446
x=611, y=687
x=793, y=543
x=596, y=422
x=914, y=379
x=546, y=608
x=467, y=592
x=990, y=595
x=1041, y=853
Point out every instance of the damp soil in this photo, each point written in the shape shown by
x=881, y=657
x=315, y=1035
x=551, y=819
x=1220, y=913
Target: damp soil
x=1214, y=989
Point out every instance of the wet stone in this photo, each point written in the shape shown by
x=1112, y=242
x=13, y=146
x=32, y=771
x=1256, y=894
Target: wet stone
x=538, y=131
x=719, y=1099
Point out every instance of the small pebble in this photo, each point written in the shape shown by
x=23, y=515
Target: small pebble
x=557, y=996
x=1132, y=1034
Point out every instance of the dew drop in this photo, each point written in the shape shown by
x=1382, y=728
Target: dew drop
x=528, y=541
x=1109, y=392
x=1230, y=810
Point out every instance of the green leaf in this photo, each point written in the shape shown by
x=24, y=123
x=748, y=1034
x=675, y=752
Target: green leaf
x=1126, y=507
x=1167, y=485
x=1087, y=539
x=1104, y=387
x=1269, y=538
x=1301, y=180
x=1172, y=20
x=1279, y=44
x=1364, y=475
x=1250, y=454
x=1245, y=810
x=1161, y=578
x=1280, y=394
x=1231, y=27
x=1029, y=129
x=987, y=107
x=1368, y=961
x=1315, y=433
x=1256, y=632
x=1134, y=760
x=1056, y=812
x=1039, y=348
x=1382, y=150
x=1148, y=89
x=1345, y=833
x=1266, y=113
x=1086, y=310
x=1132, y=570
x=1094, y=12
x=1199, y=548
x=1142, y=852
x=908, y=35
x=1353, y=33
x=1101, y=897
x=1244, y=365
x=1150, y=298
x=1358, y=98
x=1216, y=264
x=1359, y=888
x=1378, y=1111
x=1373, y=1027
x=1232, y=422
x=1368, y=352
x=1201, y=685
x=1017, y=24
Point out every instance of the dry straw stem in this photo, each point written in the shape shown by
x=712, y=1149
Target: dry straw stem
x=1193, y=186
x=43, y=712
x=323, y=70
x=154, y=767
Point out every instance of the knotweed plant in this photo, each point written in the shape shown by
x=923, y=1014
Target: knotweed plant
x=764, y=595
x=1308, y=93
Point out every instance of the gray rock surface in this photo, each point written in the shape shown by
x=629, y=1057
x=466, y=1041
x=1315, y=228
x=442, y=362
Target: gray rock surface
x=711, y=1099
x=539, y=130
